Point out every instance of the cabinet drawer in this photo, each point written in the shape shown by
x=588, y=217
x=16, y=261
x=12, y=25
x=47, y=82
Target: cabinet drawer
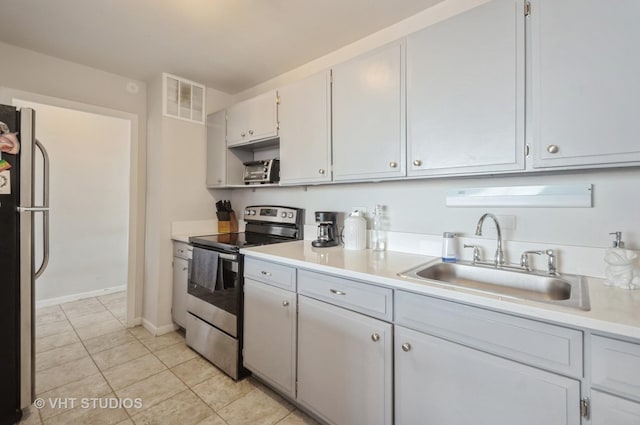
x=362, y=297
x=274, y=274
x=538, y=344
x=182, y=250
x=615, y=366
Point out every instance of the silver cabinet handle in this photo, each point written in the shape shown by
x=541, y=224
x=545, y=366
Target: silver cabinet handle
x=375, y=337
x=553, y=149
x=417, y=162
x=321, y=171
x=285, y=303
x=250, y=131
x=335, y=291
x=406, y=347
x=243, y=134
x=265, y=273
x=393, y=164
x=184, y=269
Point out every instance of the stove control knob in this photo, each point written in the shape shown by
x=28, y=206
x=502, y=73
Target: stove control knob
x=283, y=215
x=252, y=212
x=247, y=212
x=290, y=215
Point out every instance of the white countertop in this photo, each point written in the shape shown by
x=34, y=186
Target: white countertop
x=612, y=310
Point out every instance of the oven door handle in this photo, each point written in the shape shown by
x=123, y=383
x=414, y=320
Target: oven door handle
x=230, y=257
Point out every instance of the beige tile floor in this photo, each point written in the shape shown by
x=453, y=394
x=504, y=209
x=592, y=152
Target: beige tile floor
x=85, y=356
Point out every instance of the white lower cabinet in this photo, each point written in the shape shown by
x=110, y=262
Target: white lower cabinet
x=270, y=334
x=344, y=364
x=615, y=381
x=441, y=382
x=611, y=410
x=181, y=258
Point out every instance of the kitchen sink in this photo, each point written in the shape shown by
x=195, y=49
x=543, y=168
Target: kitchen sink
x=563, y=290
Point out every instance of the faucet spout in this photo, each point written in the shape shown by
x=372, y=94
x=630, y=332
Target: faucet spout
x=499, y=258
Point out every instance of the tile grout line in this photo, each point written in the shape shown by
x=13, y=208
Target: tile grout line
x=94, y=362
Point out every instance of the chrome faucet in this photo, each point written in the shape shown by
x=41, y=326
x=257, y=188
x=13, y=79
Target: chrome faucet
x=499, y=259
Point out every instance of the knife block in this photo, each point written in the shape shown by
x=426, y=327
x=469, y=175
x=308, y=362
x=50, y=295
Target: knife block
x=230, y=226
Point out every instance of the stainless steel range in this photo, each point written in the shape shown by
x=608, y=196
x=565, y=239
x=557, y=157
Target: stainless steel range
x=214, y=298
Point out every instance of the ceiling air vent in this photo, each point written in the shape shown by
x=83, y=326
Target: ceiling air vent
x=183, y=99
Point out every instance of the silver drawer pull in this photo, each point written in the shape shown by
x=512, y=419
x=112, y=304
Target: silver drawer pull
x=375, y=337
x=265, y=273
x=285, y=303
x=335, y=291
x=406, y=347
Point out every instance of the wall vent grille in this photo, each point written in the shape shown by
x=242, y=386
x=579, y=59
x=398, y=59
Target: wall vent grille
x=183, y=99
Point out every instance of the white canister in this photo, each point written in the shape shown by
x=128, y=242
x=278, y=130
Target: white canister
x=355, y=231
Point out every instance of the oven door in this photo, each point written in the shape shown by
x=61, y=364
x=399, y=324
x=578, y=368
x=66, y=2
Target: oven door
x=215, y=288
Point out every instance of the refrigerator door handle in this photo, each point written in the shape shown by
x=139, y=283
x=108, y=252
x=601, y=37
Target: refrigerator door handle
x=44, y=209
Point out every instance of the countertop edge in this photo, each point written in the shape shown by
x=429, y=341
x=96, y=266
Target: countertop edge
x=560, y=315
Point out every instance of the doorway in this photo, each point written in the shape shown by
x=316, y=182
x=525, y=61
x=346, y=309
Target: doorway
x=89, y=191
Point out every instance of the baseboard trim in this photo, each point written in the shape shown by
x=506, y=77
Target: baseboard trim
x=158, y=330
x=74, y=297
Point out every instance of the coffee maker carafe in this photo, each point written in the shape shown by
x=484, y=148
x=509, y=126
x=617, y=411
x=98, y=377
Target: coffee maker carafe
x=327, y=229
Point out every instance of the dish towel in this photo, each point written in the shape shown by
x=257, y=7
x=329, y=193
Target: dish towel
x=204, y=268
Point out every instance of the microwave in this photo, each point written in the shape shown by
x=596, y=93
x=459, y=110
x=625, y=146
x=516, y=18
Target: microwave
x=264, y=171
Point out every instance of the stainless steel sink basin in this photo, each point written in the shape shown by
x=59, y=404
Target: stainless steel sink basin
x=565, y=290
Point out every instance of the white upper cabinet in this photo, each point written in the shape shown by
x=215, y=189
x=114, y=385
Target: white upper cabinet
x=216, y=149
x=585, y=92
x=369, y=116
x=305, y=130
x=253, y=119
x=465, y=92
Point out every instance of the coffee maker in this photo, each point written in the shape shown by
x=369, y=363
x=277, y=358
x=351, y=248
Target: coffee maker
x=327, y=229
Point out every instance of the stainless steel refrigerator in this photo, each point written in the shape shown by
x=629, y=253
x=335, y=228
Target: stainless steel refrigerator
x=18, y=271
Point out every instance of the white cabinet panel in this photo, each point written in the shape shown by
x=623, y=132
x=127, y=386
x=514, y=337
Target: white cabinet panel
x=465, y=92
x=610, y=410
x=585, y=85
x=440, y=382
x=305, y=130
x=253, y=119
x=344, y=364
x=180, y=282
x=615, y=366
x=270, y=334
x=216, y=149
x=368, y=116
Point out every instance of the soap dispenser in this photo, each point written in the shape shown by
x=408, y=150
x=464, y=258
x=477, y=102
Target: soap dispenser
x=619, y=270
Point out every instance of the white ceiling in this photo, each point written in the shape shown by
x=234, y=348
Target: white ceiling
x=229, y=45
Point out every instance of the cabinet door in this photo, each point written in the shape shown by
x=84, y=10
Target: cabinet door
x=368, y=116
x=585, y=85
x=305, y=130
x=253, y=119
x=180, y=282
x=465, y=92
x=270, y=334
x=610, y=410
x=216, y=149
x=344, y=364
x=440, y=382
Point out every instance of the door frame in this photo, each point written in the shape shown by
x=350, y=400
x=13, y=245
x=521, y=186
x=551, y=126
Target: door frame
x=137, y=190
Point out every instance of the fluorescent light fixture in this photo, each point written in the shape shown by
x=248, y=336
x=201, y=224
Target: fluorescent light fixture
x=559, y=196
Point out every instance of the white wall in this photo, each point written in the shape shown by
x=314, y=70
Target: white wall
x=32, y=72
x=89, y=198
x=418, y=206
x=176, y=191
